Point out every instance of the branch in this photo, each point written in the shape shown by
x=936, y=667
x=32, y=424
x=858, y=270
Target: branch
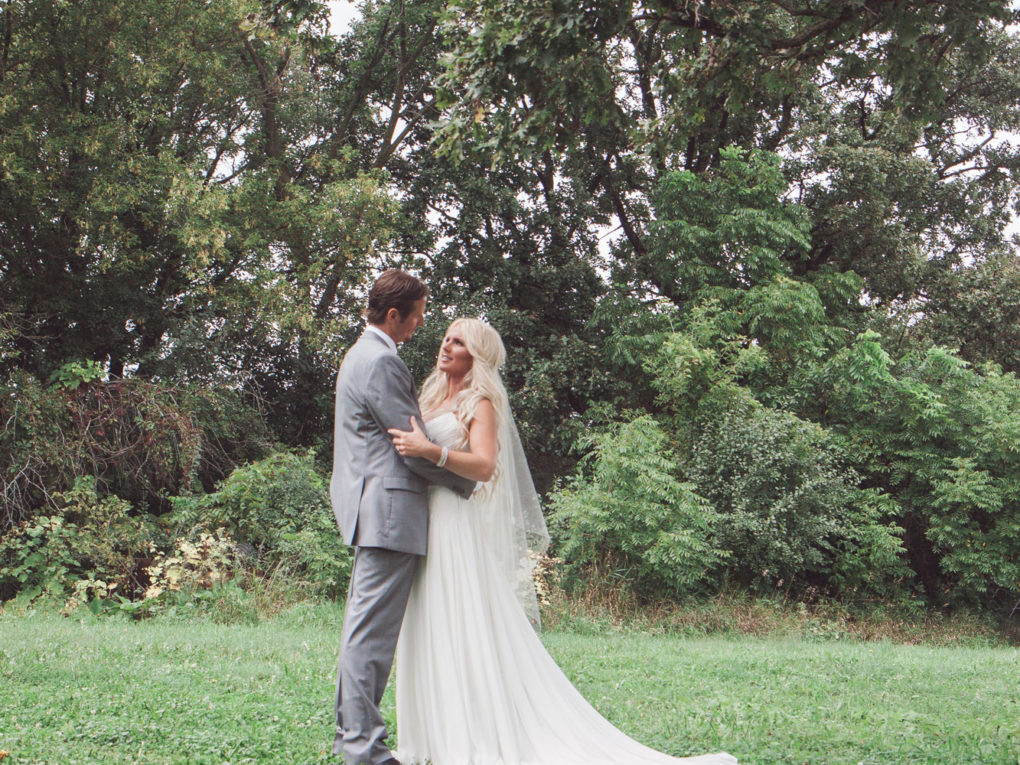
x=772, y=142
x=360, y=89
x=966, y=157
x=387, y=151
x=271, y=87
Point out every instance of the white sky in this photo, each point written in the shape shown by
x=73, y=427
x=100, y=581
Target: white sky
x=343, y=12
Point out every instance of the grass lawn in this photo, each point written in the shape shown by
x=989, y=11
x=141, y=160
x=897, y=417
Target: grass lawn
x=111, y=691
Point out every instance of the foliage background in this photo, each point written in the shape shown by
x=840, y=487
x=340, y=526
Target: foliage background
x=752, y=261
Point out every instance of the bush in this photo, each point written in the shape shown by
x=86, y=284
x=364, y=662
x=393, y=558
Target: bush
x=789, y=510
x=208, y=561
x=233, y=431
x=197, y=577
x=91, y=539
x=626, y=510
x=130, y=436
x=279, y=507
x=976, y=529
x=940, y=437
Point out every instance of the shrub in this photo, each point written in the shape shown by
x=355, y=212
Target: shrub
x=208, y=561
x=198, y=576
x=974, y=529
x=90, y=538
x=627, y=510
x=940, y=437
x=130, y=436
x=279, y=506
x=233, y=431
x=790, y=511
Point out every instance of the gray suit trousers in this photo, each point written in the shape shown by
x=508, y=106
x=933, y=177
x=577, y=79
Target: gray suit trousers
x=376, y=601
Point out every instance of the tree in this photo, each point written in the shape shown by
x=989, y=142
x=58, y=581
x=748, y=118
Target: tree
x=866, y=101
x=162, y=212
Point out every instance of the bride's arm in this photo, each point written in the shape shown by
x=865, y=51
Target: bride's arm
x=477, y=464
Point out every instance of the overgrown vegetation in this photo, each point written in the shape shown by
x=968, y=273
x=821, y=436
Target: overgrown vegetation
x=130, y=437
x=822, y=460
x=267, y=520
x=751, y=261
x=90, y=546
x=279, y=507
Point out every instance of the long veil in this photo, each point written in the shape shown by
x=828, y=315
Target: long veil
x=512, y=515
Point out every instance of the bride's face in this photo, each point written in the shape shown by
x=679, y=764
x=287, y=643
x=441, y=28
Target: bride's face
x=454, y=358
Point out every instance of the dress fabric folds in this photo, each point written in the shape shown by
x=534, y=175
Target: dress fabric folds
x=474, y=683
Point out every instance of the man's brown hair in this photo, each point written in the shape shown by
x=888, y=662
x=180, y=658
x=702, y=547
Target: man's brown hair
x=394, y=289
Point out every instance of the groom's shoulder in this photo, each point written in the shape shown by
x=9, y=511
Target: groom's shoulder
x=370, y=355
x=365, y=348
x=387, y=364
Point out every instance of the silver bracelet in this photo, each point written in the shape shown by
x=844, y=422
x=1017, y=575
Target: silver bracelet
x=444, y=455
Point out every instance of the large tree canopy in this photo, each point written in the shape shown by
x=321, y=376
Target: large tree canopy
x=683, y=214
x=893, y=116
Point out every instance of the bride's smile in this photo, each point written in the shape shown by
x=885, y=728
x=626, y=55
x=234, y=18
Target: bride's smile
x=454, y=358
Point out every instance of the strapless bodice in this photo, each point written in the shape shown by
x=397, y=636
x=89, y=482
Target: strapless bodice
x=445, y=429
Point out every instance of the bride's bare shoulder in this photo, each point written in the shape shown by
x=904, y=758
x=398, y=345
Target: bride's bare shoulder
x=485, y=412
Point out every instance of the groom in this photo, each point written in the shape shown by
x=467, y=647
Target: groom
x=380, y=500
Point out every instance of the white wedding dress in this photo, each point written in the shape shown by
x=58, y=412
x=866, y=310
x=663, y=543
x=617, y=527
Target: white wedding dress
x=474, y=684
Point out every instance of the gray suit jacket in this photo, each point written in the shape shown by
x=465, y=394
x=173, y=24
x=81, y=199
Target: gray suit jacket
x=380, y=499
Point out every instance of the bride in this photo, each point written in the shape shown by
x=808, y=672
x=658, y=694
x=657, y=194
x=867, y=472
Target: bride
x=475, y=685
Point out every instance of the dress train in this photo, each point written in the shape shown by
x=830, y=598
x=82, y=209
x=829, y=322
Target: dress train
x=474, y=683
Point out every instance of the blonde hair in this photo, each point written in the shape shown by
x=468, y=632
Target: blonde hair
x=482, y=381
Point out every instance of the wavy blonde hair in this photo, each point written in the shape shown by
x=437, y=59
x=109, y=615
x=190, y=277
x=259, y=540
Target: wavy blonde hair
x=481, y=382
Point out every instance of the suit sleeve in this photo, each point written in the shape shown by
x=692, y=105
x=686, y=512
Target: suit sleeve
x=391, y=401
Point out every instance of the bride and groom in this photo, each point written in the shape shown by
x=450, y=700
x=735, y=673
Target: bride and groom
x=474, y=684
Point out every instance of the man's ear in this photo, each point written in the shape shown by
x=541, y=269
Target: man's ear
x=393, y=315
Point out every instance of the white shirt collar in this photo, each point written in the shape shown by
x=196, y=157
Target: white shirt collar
x=383, y=335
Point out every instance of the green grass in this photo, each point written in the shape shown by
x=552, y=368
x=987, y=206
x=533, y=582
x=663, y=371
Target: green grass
x=110, y=691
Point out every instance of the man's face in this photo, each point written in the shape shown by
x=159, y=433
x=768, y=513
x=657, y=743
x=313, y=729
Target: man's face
x=404, y=328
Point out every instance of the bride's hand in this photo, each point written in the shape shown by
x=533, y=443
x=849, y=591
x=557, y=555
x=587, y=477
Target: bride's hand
x=412, y=443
